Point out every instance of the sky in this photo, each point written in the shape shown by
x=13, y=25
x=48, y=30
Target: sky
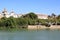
x=37, y=6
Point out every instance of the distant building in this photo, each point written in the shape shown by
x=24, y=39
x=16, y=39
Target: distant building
x=42, y=16
x=6, y=14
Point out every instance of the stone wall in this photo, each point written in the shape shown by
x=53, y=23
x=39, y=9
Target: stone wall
x=43, y=27
x=55, y=27
x=36, y=27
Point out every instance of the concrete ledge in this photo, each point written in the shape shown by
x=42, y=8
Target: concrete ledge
x=43, y=27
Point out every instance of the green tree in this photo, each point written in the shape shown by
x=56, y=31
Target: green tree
x=31, y=22
x=53, y=15
x=31, y=15
x=54, y=18
x=22, y=22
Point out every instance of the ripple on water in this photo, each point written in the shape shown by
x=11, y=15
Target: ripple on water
x=30, y=35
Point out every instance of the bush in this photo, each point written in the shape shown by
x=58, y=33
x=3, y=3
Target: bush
x=22, y=22
x=47, y=25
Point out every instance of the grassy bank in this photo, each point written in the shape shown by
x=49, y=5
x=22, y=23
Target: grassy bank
x=11, y=29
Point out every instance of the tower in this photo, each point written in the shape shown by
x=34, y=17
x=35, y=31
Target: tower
x=4, y=12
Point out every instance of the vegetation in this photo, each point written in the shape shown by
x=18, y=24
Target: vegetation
x=22, y=22
x=29, y=19
x=53, y=19
x=31, y=15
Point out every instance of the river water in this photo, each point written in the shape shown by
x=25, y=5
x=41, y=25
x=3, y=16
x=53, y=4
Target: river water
x=30, y=35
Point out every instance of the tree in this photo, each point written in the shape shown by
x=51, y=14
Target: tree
x=54, y=18
x=13, y=21
x=22, y=22
x=3, y=18
x=53, y=15
x=31, y=22
x=8, y=22
x=31, y=15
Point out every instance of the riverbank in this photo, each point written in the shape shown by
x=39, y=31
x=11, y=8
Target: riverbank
x=43, y=27
x=12, y=29
x=32, y=27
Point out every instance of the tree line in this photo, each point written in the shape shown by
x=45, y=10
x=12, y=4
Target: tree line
x=21, y=22
x=29, y=19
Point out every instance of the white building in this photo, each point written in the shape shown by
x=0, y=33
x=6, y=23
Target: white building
x=5, y=13
x=42, y=16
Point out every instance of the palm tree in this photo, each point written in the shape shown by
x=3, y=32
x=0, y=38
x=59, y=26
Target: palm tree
x=54, y=18
x=53, y=15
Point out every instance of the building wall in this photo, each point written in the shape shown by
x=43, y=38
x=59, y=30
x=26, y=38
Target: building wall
x=18, y=15
x=42, y=16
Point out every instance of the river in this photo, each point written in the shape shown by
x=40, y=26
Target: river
x=30, y=35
